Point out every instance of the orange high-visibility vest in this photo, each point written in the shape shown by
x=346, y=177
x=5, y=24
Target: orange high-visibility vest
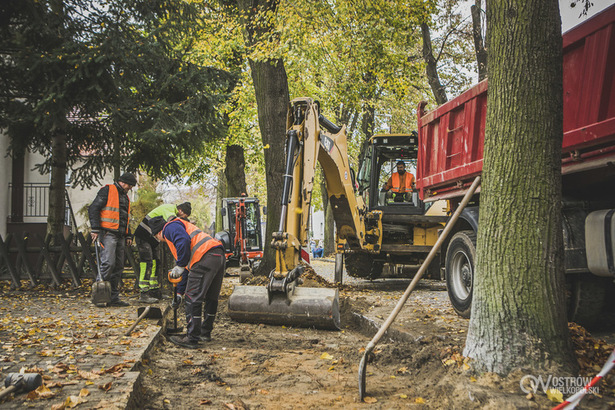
x=110, y=214
x=396, y=186
x=200, y=242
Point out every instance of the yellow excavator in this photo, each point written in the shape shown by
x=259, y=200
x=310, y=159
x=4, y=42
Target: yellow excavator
x=359, y=209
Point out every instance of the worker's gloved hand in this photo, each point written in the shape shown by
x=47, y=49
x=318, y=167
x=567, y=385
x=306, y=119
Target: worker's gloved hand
x=176, y=272
x=177, y=300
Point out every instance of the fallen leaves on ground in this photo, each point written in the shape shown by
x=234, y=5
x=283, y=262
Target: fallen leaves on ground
x=41, y=392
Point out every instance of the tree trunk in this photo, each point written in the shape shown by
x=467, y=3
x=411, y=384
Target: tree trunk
x=518, y=315
x=272, y=100
x=479, y=44
x=57, y=187
x=117, y=158
x=329, y=223
x=220, y=193
x=235, y=171
x=271, y=89
x=433, y=78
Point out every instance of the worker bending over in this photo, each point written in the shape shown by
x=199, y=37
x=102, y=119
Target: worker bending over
x=203, y=257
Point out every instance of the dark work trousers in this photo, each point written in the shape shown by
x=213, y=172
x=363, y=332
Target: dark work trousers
x=204, y=284
x=112, y=260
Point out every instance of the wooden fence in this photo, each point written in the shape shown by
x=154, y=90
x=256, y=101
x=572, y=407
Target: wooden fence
x=43, y=261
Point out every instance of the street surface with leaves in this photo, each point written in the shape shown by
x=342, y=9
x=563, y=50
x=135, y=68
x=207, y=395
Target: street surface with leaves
x=87, y=362
x=419, y=365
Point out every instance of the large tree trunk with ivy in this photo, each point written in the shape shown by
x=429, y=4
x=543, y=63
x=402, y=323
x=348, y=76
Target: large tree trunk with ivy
x=271, y=88
x=57, y=187
x=518, y=315
x=235, y=171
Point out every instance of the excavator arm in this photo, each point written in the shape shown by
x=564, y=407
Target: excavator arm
x=310, y=139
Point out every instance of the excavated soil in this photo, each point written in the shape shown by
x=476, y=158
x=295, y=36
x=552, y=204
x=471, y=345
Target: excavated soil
x=418, y=365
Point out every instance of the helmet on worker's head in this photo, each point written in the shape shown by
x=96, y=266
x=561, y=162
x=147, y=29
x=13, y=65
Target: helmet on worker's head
x=186, y=208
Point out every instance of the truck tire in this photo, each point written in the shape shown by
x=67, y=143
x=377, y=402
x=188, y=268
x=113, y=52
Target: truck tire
x=587, y=297
x=339, y=268
x=362, y=265
x=460, y=258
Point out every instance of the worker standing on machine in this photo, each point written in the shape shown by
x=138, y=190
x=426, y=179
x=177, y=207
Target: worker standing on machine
x=148, y=246
x=204, y=258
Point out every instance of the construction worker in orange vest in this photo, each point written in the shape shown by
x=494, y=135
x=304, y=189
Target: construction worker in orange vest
x=203, y=258
x=400, y=183
x=109, y=219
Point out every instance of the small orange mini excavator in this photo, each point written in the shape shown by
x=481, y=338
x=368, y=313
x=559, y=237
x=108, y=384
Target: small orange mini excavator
x=242, y=223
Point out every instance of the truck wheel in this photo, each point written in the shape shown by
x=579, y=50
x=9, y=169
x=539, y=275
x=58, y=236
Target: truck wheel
x=460, y=257
x=587, y=298
x=339, y=268
x=363, y=265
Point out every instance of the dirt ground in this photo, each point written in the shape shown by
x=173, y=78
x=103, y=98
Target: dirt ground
x=275, y=367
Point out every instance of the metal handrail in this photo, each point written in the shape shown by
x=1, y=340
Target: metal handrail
x=35, y=202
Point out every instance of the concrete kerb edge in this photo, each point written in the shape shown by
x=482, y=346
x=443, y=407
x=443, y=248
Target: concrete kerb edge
x=134, y=396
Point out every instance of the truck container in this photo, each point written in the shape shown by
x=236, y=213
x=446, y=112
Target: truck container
x=451, y=139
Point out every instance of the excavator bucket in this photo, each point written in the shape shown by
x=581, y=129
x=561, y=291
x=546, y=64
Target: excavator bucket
x=302, y=307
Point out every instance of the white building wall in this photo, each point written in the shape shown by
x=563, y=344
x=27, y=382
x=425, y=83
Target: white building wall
x=318, y=225
x=80, y=198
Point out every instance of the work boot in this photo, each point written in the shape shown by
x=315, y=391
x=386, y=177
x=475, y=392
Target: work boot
x=155, y=293
x=184, y=341
x=205, y=335
x=208, y=323
x=119, y=303
x=145, y=298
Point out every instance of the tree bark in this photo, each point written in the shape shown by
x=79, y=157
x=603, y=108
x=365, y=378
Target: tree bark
x=433, y=78
x=220, y=193
x=235, y=171
x=57, y=187
x=518, y=314
x=272, y=99
x=479, y=44
x=329, y=222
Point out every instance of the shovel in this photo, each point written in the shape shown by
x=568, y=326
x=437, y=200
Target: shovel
x=143, y=313
x=174, y=304
x=15, y=382
x=101, y=289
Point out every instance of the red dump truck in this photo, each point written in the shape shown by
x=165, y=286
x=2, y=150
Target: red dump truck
x=451, y=154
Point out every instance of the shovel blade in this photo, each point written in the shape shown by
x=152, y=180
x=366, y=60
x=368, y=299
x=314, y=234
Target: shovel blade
x=101, y=292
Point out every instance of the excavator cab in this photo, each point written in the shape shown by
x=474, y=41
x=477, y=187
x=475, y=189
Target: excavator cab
x=378, y=165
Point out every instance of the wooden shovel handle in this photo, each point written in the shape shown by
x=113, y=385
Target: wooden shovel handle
x=145, y=312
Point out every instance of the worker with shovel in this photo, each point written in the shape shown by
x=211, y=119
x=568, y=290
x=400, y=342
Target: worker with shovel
x=148, y=246
x=203, y=257
x=109, y=216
